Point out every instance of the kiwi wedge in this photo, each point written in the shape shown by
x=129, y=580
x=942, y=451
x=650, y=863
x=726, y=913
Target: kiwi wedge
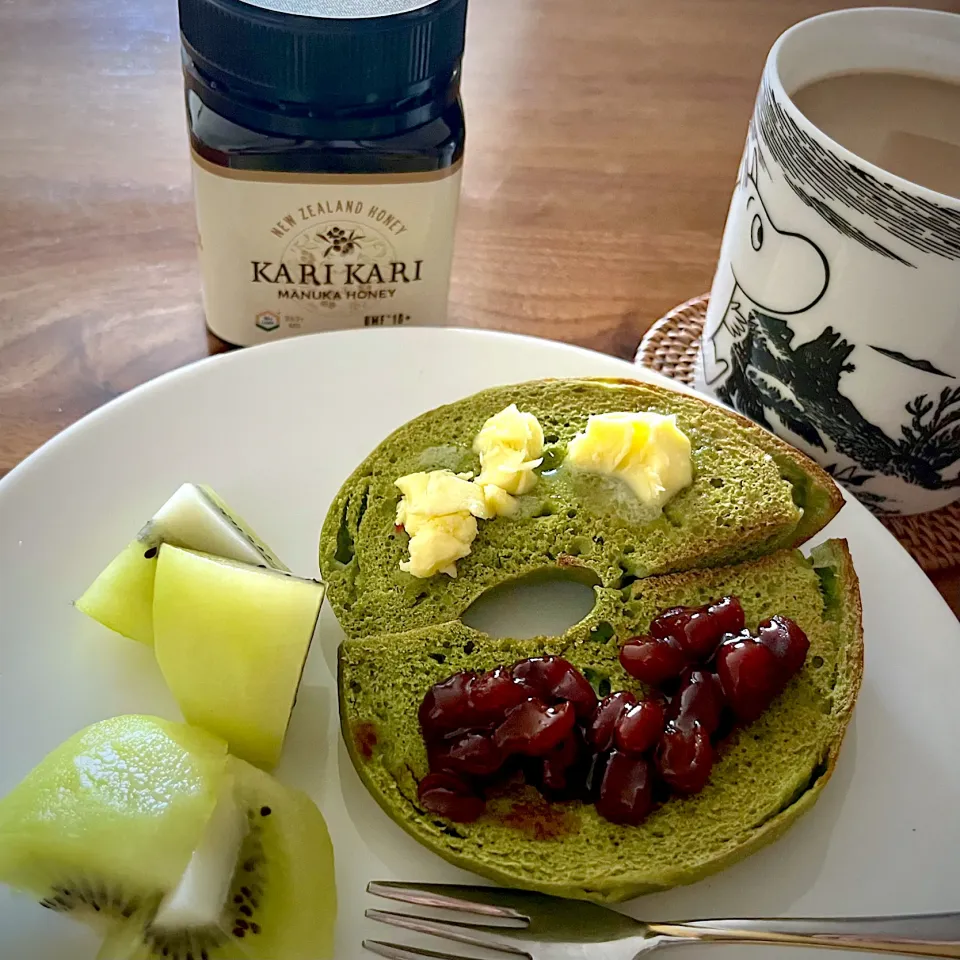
x=149, y=831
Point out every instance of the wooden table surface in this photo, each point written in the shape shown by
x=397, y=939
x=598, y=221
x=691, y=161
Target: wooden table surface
x=603, y=144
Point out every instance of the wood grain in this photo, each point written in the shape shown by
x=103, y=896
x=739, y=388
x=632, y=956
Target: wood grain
x=603, y=143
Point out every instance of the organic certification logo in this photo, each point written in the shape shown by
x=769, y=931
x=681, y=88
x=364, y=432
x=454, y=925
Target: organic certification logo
x=268, y=321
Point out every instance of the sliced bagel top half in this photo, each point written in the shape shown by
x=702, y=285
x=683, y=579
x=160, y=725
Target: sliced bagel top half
x=751, y=494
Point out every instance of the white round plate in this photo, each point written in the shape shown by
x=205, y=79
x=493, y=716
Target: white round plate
x=275, y=430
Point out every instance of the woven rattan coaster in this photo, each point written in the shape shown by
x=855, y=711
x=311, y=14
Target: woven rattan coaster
x=670, y=347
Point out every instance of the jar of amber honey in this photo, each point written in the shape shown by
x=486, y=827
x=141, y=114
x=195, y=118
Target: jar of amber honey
x=327, y=139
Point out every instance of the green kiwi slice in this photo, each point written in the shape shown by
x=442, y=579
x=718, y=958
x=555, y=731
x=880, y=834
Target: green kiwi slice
x=150, y=832
x=282, y=901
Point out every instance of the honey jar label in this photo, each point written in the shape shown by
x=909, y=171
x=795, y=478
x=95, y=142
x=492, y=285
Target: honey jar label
x=289, y=253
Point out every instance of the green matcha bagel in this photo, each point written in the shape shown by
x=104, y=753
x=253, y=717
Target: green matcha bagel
x=751, y=494
x=768, y=773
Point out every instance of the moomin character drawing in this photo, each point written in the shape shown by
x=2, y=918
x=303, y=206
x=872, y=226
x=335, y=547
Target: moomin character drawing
x=774, y=270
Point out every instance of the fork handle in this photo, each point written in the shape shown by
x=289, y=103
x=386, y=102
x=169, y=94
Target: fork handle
x=922, y=935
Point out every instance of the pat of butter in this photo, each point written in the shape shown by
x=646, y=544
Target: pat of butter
x=439, y=543
x=510, y=445
x=438, y=493
x=498, y=502
x=439, y=510
x=648, y=451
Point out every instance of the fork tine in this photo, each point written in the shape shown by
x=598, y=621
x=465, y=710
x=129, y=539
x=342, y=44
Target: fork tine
x=397, y=951
x=458, y=932
x=427, y=897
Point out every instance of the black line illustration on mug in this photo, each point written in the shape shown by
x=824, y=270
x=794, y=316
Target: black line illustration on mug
x=775, y=271
x=754, y=361
x=925, y=365
x=800, y=384
x=825, y=181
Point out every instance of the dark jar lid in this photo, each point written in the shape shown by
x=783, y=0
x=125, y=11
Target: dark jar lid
x=337, y=54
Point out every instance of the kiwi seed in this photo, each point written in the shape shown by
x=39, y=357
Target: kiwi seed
x=65, y=898
x=183, y=945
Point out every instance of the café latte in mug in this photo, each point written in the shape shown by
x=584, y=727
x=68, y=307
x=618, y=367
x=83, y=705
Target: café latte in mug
x=906, y=123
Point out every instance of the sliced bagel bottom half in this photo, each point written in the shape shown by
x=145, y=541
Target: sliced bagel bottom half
x=767, y=774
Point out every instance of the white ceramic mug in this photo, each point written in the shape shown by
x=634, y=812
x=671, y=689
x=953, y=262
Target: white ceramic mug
x=834, y=317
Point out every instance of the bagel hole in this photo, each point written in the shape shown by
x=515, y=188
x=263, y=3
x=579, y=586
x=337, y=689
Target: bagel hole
x=543, y=603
